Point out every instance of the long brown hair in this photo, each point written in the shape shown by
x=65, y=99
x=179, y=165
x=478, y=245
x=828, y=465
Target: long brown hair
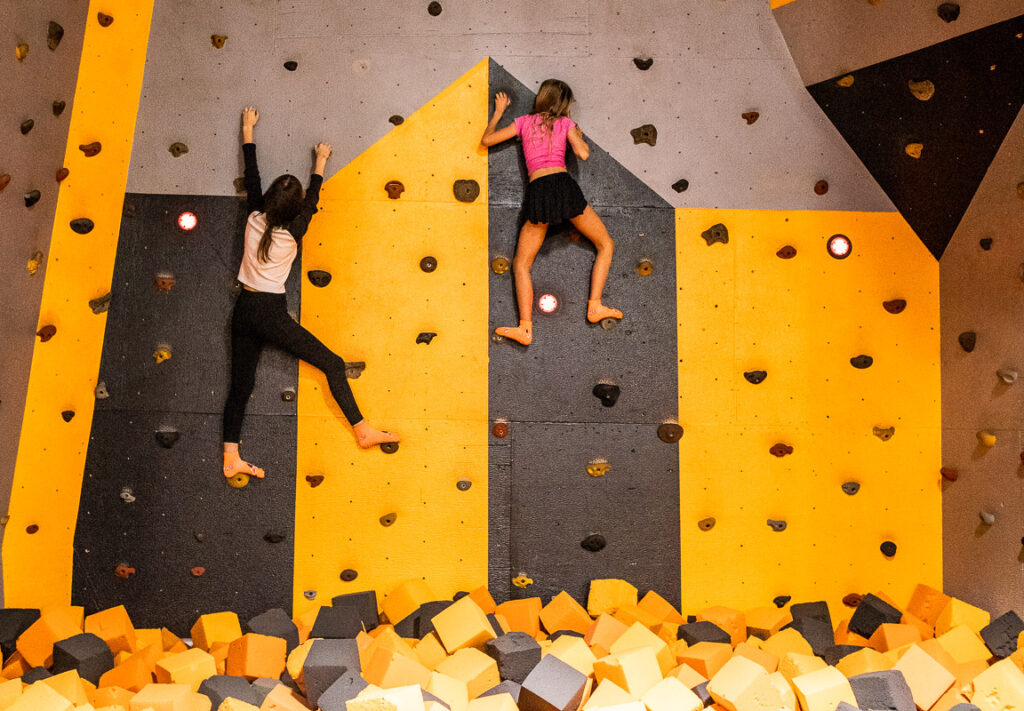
x=553, y=101
x=282, y=204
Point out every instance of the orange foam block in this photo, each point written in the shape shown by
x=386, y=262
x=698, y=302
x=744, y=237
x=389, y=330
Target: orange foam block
x=281, y=698
x=482, y=597
x=191, y=668
x=462, y=624
x=763, y=622
x=891, y=636
x=36, y=643
x=631, y=614
x=609, y=594
x=661, y=608
x=766, y=659
x=522, y=615
x=162, y=697
x=388, y=668
x=255, y=655
x=430, y=652
x=706, y=657
x=114, y=627
x=927, y=679
x=134, y=672
x=927, y=604
x=406, y=598
x=215, y=627
x=565, y=613
x=602, y=634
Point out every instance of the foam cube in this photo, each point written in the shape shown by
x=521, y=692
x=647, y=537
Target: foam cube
x=1000, y=687
x=134, y=672
x=406, y=599
x=217, y=688
x=603, y=633
x=454, y=693
x=429, y=651
x=793, y=664
x=162, y=697
x=462, y=624
x=957, y=612
x=927, y=679
x=36, y=643
x=472, y=666
x=575, y=652
x=516, y=654
x=365, y=604
x=506, y=687
x=564, y=613
x=607, y=693
x=882, y=690
x=275, y=623
x=426, y=614
x=863, y=661
x=345, y=688
x=788, y=640
x=891, y=636
x=733, y=622
x=837, y=652
x=255, y=655
x=552, y=685
x=14, y=621
x=215, y=627
x=609, y=594
x=494, y=702
x=36, y=674
x=86, y=653
x=1001, y=634
x=281, y=698
x=734, y=680
x=39, y=697
x=670, y=694
x=661, y=608
x=706, y=657
x=872, y=612
x=822, y=690
x=964, y=645
x=69, y=685
x=767, y=660
x=522, y=615
x=636, y=671
x=927, y=604
x=389, y=668
x=189, y=668
x=704, y=631
x=114, y=627
x=816, y=631
x=405, y=698
x=631, y=614
x=763, y=622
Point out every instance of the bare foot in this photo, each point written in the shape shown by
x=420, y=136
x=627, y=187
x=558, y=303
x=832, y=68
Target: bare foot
x=596, y=311
x=523, y=333
x=233, y=464
x=367, y=437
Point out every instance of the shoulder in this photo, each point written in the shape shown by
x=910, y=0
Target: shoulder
x=566, y=123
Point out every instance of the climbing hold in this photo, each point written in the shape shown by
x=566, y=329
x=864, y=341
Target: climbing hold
x=499, y=265
x=396, y=120
x=777, y=526
x=986, y=438
x=949, y=11
x=288, y=395
x=197, y=571
x=394, y=189
x=851, y=487
x=521, y=581
x=821, y=187
x=32, y=528
x=895, y=306
x=985, y=243
x=318, y=277
x=781, y=601
x=1020, y=190
x=389, y=447
x=755, y=377
x=780, y=450
x=46, y=332
x=388, y=519
x=862, y=361
x=598, y=467
x=645, y=134
x=166, y=437
x=165, y=281
x=609, y=324
x=34, y=262
x=62, y=173
x=5, y=180
x=100, y=304
x=670, y=432
x=1007, y=375
x=706, y=524
x=239, y=184
x=787, y=252
x=26, y=126
x=101, y=391
x=5, y=519
x=238, y=481
x=354, y=369
x=124, y=571
x=199, y=536
x=291, y=65
x=428, y=264
x=21, y=51
x=466, y=190
x=348, y=575
x=987, y=517
x=681, y=185
x=309, y=594
x=607, y=393
x=888, y=549
x=162, y=353
x=750, y=117
x=425, y=337
x=68, y=415
x=593, y=543
x=434, y=8
x=463, y=484
x=914, y=150
x=845, y=81
x=315, y=480
x=853, y=599
x=32, y=197
x=178, y=149
x=644, y=267
x=218, y=41
x=922, y=90
x=58, y=107
x=91, y=149
x=883, y=433
x=643, y=63
x=950, y=474
x=273, y=537
x=104, y=19
x=500, y=430
x=968, y=339
x=716, y=233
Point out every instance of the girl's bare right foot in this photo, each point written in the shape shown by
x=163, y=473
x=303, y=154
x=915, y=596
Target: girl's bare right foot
x=233, y=464
x=367, y=437
x=523, y=333
x=596, y=311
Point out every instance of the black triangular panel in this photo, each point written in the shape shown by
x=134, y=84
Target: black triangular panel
x=979, y=90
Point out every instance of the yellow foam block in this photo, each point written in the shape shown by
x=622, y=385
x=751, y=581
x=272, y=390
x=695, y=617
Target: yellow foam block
x=668, y=631
x=951, y=698
x=843, y=635
x=822, y=690
x=609, y=594
x=706, y=657
x=297, y=659
x=36, y=643
x=255, y=655
x=661, y=608
x=967, y=672
x=114, y=627
x=10, y=690
x=763, y=622
x=628, y=706
x=927, y=679
x=631, y=614
x=927, y=604
x=863, y=661
x=403, y=698
x=575, y=652
x=200, y=702
x=522, y=615
x=146, y=636
x=679, y=648
x=494, y=702
x=999, y=688
x=430, y=652
x=733, y=681
x=171, y=642
x=964, y=644
x=688, y=675
x=603, y=633
x=957, y=612
x=890, y=636
x=755, y=654
x=926, y=630
x=69, y=685
x=215, y=627
x=564, y=613
x=462, y=624
x=607, y=693
x=472, y=666
x=305, y=622
x=406, y=598
x=233, y=704
x=636, y=671
x=219, y=652
x=732, y=621
x=785, y=641
x=670, y=694
x=15, y=666
x=793, y=665
x=134, y=672
x=387, y=668
x=452, y=691
x=637, y=636
x=110, y=696
x=162, y=697
x=191, y=667
x=40, y=697
x=784, y=689
x=281, y=698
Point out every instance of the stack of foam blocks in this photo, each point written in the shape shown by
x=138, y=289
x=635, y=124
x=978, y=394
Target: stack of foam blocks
x=619, y=653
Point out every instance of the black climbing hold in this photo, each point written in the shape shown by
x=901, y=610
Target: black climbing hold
x=428, y=264
x=781, y=600
x=862, y=361
x=178, y=149
x=645, y=134
x=100, y=304
x=895, y=306
x=706, y=524
x=968, y=339
x=82, y=225
x=643, y=64
x=396, y=120
x=26, y=126
x=318, y=277
x=777, y=526
x=780, y=450
x=288, y=395
x=68, y=415
x=166, y=438
x=716, y=233
x=985, y=243
x=821, y=187
x=755, y=376
x=434, y=8
x=787, y=252
x=348, y=575
x=273, y=537
x=104, y=19
x=425, y=337
x=888, y=549
x=948, y=11
x=388, y=519
x=750, y=117
x=680, y=185
x=670, y=432
x=593, y=543
x=466, y=190
x=607, y=393
x=46, y=332
x=463, y=484
x=218, y=41
x=58, y=107
x=314, y=480
x=851, y=487
x=91, y=149
x=291, y=65
x=354, y=369
x=54, y=34
x=32, y=197
x=394, y=189
x=389, y=447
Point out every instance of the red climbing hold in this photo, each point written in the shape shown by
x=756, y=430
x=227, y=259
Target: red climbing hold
x=821, y=187
x=780, y=450
x=91, y=149
x=197, y=571
x=104, y=19
x=46, y=332
x=751, y=116
x=62, y=173
x=124, y=571
x=500, y=430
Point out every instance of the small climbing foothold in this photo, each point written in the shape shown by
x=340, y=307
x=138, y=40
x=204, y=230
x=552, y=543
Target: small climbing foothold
x=124, y=571
x=434, y=8
x=986, y=438
x=845, y=81
x=607, y=393
x=706, y=524
x=62, y=173
x=67, y=415
x=32, y=528
x=428, y=264
x=466, y=190
x=968, y=339
x=425, y=337
x=82, y=225
x=21, y=51
x=34, y=262
x=100, y=391
x=238, y=481
x=91, y=149
x=670, y=432
x=750, y=117
x=500, y=430
x=598, y=467
x=645, y=134
x=914, y=150
x=755, y=377
x=609, y=324
x=26, y=126
x=389, y=447
x=394, y=189
x=851, y=487
x=58, y=107
x=853, y=599
x=777, y=526
x=987, y=517
x=521, y=581
x=644, y=267
x=643, y=63
x=178, y=149
x=166, y=437
x=948, y=11
x=47, y=332
x=388, y=519
x=309, y=594
x=821, y=187
x=100, y=304
x=787, y=252
x=162, y=353
x=781, y=601
x=5, y=180
x=239, y=184
x=315, y=480
x=396, y=120
x=716, y=233
x=291, y=65
x=1020, y=190
x=197, y=571
x=681, y=185
x=985, y=243
x=353, y=369
x=922, y=90
x=949, y=473
x=499, y=265
x=104, y=19
x=883, y=433
x=348, y=575
x=862, y=361
x=273, y=537
x=318, y=277
x=895, y=306
x=888, y=549
x=218, y=41
x=593, y=543
x=463, y=484
x=32, y=197
x=127, y=496
x=1007, y=375
x=165, y=281
x=780, y=450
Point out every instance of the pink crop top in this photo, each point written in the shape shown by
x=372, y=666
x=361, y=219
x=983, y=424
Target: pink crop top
x=543, y=149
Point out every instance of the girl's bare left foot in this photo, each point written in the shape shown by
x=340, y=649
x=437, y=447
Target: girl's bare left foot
x=233, y=464
x=367, y=437
x=596, y=311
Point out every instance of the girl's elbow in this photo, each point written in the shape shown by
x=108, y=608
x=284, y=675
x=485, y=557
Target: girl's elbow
x=583, y=155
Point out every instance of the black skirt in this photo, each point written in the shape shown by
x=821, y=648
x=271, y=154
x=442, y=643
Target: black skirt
x=553, y=198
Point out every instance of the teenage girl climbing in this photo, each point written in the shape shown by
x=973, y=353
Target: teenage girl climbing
x=552, y=196
x=277, y=221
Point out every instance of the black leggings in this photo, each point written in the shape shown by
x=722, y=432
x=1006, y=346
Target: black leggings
x=259, y=319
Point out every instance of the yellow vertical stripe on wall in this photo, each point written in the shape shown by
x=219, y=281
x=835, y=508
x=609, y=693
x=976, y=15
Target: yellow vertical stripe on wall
x=434, y=396
x=742, y=308
x=51, y=453
x=779, y=3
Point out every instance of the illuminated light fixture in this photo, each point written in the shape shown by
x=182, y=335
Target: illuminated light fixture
x=188, y=221
x=547, y=303
x=839, y=246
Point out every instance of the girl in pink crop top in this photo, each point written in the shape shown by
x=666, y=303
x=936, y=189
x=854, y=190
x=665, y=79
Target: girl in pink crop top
x=552, y=197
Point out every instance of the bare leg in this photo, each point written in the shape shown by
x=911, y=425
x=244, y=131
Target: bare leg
x=591, y=226
x=531, y=237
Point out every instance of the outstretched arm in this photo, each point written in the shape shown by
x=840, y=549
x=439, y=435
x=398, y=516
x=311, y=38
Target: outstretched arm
x=300, y=224
x=491, y=134
x=253, y=187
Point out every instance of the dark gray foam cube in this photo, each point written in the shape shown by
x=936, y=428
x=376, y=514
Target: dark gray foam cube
x=816, y=631
x=494, y=625
x=35, y=674
x=506, y=687
x=220, y=687
x=1000, y=634
x=14, y=621
x=425, y=621
x=406, y=627
x=702, y=631
x=882, y=690
x=345, y=688
x=365, y=604
x=565, y=633
x=327, y=660
x=815, y=610
x=836, y=652
x=965, y=707
x=427, y=696
x=843, y=706
x=517, y=653
x=337, y=623
x=701, y=690
x=261, y=687
x=553, y=685
x=84, y=652
x=871, y=613
x=274, y=623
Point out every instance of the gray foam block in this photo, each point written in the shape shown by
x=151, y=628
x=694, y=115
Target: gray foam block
x=337, y=623
x=345, y=688
x=1001, y=634
x=517, y=653
x=883, y=690
x=553, y=685
x=327, y=661
x=221, y=686
x=263, y=686
x=506, y=687
x=871, y=613
x=275, y=623
x=364, y=602
x=703, y=631
x=86, y=653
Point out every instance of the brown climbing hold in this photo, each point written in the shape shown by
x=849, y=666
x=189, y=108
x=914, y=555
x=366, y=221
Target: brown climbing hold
x=428, y=264
x=670, y=432
x=394, y=189
x=643, y=63
x=499, y=265
x=706, y=524
x=197, y=571
x=850, y=488
x=291, y=65
x=388, y=519
x=750, y=117
x=31, y=528
x=500, y=430
x=389, y=447
x=21, y=51
x=353, y=369
x=821, y=187
x=178, y=149
x=288, y=395
x=426, y=337
x=845, y=81
x=922, y=90
x=644, y=134
x=62, y=173
x=91, y=149
x=67, y=415
x=883, y=433
x=434, y=8
x=315, y=480
x=716, y=233
x=463, y=485
x=985, y=243
x=948, y=11
x=5, y=180
x=54, y=34
x=755, y=377
x=968, y=340
x=780, y=450
x=853, y=599
x=396, y=120
x=787, y=252
x=218, y=40
x=47, y=332
x=914, y=150
x=239, y=184
x=895, y=306
x=1020, y=190
x=124, y=571
x=58, y=107
x=164, y=281
x=466, y=190
x=644, y=267
x=104, y=19
x=950, y=474
x=32, y=197
x=100, y=304
x=348, y=575
x=777, y=526
x=318, y=277
x=681, y=185
x=26, y=126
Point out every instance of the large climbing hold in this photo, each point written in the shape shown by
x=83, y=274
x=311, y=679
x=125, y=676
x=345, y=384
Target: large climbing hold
x=922, y=90
x=434, y=8
x=54, y=34
x=755, y=377
x=318, y=277
x=466, y=190
x=58, y=107
x=91, y=149
x=716, y=233
x=104, y=19
x=645, y=134
x=948, y=11
x=607, y=393
x=895, y=306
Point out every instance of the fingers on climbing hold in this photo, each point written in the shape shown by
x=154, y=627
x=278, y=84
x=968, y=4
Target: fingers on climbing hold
x=46, y=332
x=716, y=233
x=968, y=340
x=394, y=189
x=645, y=134
x=987, y=438
x=58, y=107
x=883, y=433
x=681, y=185
x=26, y=126
x=291, y=65
x=821, y=187
x=845, y=81
x=466, y=190
x=670, y=432
x=218, y=41
x=463, y=485
x=951, y=474
x=91, y=149
x=607, y=393
x=862, y=362
x=318, y=277
x=388, y=519
x=396, y=120
x=780, y=450
x=434, y=8
x=353, y=369
x=895, y=306
x=500, y=430
x=425, y=337
x=755, y=377
x=67, y=415
x=178, y=149
x=948, y=11
x=777, y=526
x=851, y=487
x=922, y=90
x=888, y=549
x=104, y=19
x=428, y=264
x=100, y=304
x=750, y=117
x=787, y=252
x=706, y=524
x=499, y=265
x=644, y=267
x=593, y=543
x=1007, y=375
x=166, y=437
x=348, y=575
x=643, y=63
x=914, y=150
x=32, y=197
x=288, y=395
x=598, y=467
x=314, y=480
x=62, y=173
x=985, y=243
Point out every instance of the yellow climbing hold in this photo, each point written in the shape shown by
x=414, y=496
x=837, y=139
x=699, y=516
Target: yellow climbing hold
x=845, y=81
x=914, y=150
x=986, y=438
x=598, y=467
x=162, y=353
x=922, y=90
x=21, y=51
x=521, y=581
x=238, y=480
x=34, y=262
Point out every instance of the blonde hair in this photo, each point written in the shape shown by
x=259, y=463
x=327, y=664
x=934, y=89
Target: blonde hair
x=554, y=99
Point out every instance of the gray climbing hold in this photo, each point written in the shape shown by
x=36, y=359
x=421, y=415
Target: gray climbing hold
x=291, y=65
x=888, y=549
x=127, y=496
x=166, y=437
x=862, y=361
x=922, y=90
x=318, y=277
x=607, y=393
x=948, y=11
x=26, y=126
x=851, y=487
x=755, y=377
x=309, y=594
x=82, y=225
x=54, y=34
x=777, y=526
x=101, y=391
x=987, y=517
x=643, y=63
x=288, y=395
x=178, y=149
x=426, y=337
x=968, y=339
x=883, y=433
x=593, y=543
x=716, y=233
x=681, y=185
x=32, y=197
x=100, y=304
x=273, y=537
x=1007, y=375
x=466, y=190
x=645, y=134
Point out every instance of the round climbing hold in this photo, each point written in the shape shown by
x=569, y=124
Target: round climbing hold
x=314, y=480
x=104, y=19
x=883, y=433
x=851, y=487
x=31, y=528
x=288, y=395
x=845, y=81
x=914, y=150
x=54, y=34
x=644, y=267
x=318, y=277
x=987, y=517
x=986, y=438
x=499, y=265
x=593, y=543
x=895, y=306
x=238, y=481
x=780, y=450
x=862, y=361
x=389, y=447
x=67, y=415
x=922, y=90
x=26, y=126
x=643, y=63
x=58, y=107
x=291, y=65
x=644, y=134
x=968, y=340
x=82, y=225
x=821, y=187
x=309, y=594
x=273, y=537
x=500, y=430
x=434, y=8
x=428, y=264
x=681, y=185
x=853, y=599
x=598, y=467
x=197, y=571
x=388, y=519
x=463, y=484
x=951, y=474
x=750, y=117
x=607, y=393
x=166, y=437
x=466, y=190
x=62, y=173
x=100, y=304
x=781, y=601
x=348, y=575
x=32, y=197
x=394, y=189
x=396, y=120
x=21, y=51
x=706, y=524
x=755, y=377
x=888, y=549
x=124, y=571
x=100, y=391
x=426, y=337
x=670, y=432
x=777, y=526
x=948, y=11
x=985, y=243
x=716, y=233
x=609, y=324
x=178, y=149
x=1007, y=375
x=787, y=252
x=218, y=41
x=47, y=332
